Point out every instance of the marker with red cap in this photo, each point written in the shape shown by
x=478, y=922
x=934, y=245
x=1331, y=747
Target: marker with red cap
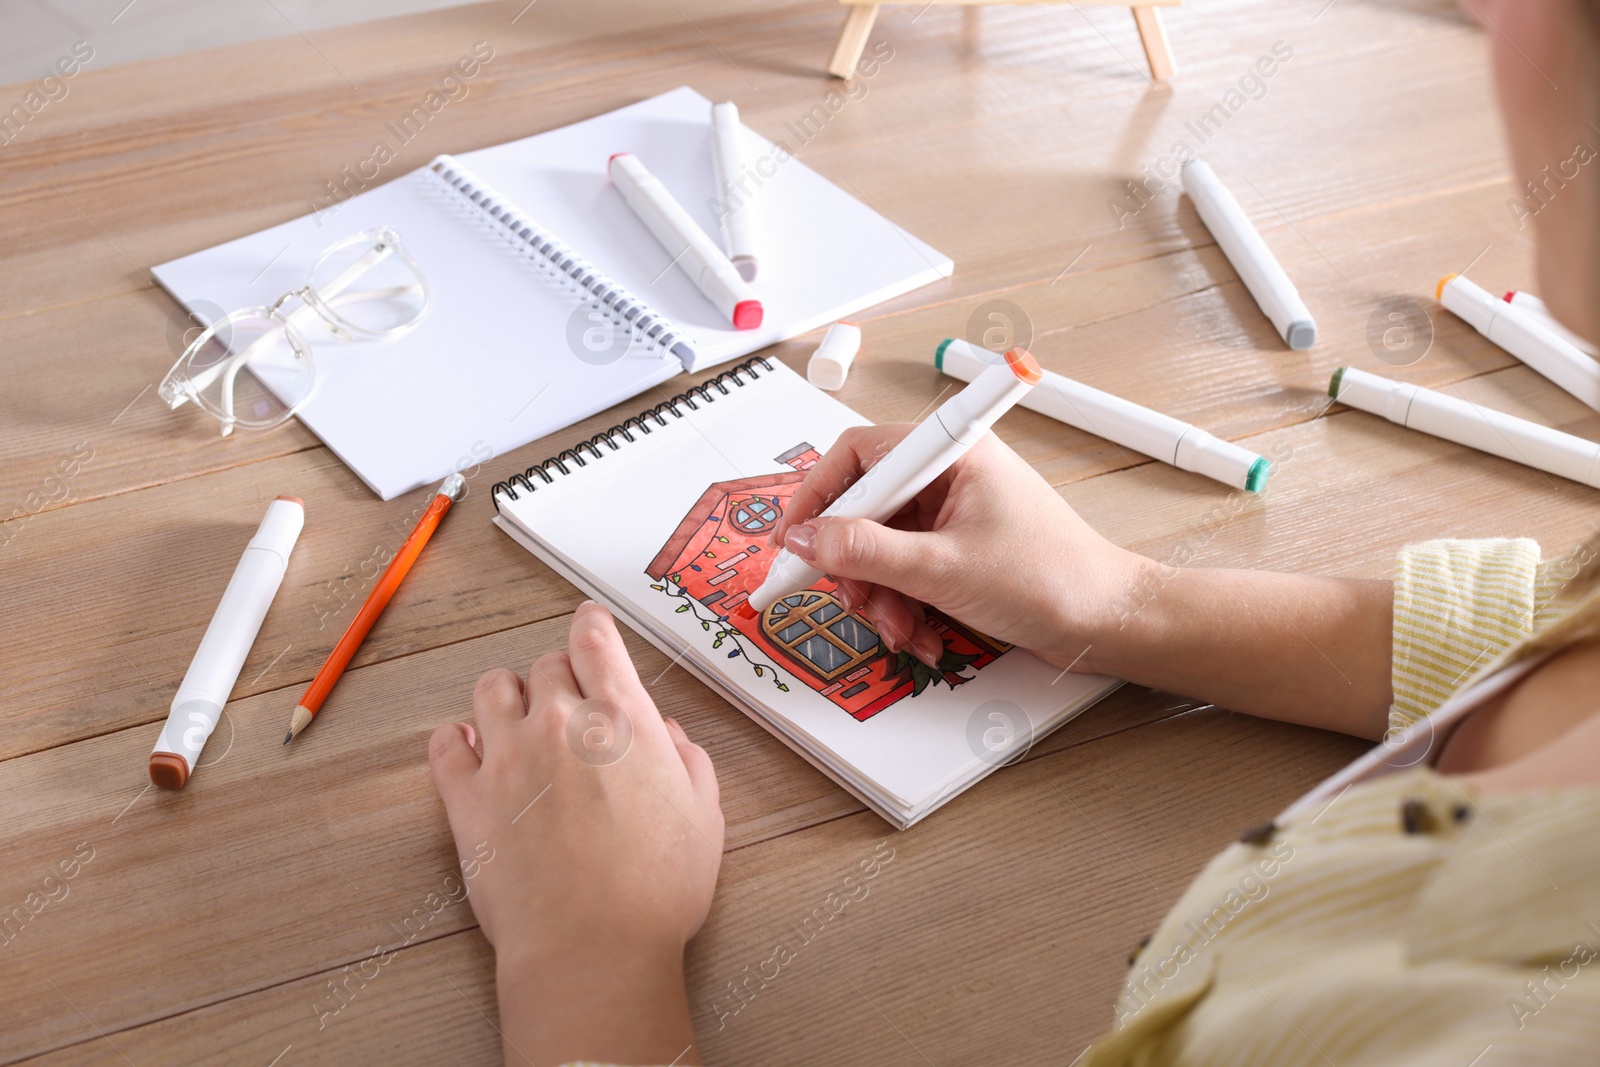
x=688, y=245
x=1536, y=307
x=1523, y=335
x=922, y=455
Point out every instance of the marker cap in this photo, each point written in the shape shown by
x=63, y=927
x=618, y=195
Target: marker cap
x=1024, y=366
x=747, y=314
x=830, y=363
x=168, y=770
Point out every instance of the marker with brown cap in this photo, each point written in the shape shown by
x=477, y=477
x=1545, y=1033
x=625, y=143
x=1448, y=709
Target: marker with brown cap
x=215, y=667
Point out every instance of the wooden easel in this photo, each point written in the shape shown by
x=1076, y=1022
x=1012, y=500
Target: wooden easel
x=858, y=24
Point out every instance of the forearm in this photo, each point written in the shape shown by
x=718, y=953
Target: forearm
x=622, y=1007
x=1297, y=648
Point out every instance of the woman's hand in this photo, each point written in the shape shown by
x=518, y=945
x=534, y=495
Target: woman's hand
x=591, y=835
x=989, y=543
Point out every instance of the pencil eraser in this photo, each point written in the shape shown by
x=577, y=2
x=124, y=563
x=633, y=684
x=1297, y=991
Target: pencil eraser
x=746, y=266
x=830, y=363
x=747, y=314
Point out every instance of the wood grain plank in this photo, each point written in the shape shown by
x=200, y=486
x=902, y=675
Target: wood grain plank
x=348, y=814
x=1064, y=864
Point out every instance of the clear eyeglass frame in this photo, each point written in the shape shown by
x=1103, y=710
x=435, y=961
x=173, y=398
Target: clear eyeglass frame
x=278, y=355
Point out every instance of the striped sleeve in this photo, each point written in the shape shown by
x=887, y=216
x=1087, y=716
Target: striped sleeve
x=1457, y=606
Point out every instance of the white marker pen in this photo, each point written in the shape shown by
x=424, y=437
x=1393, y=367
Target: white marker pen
x=727, y=161
x=1536, y=307
x=1466, y=423
x=1258, y=268
x=215, y=667
x=1122, y=422
x=1524, y=336
x=695, y=253
x=922, y=455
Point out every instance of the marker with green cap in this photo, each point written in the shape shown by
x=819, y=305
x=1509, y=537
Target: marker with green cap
x=1119, y=421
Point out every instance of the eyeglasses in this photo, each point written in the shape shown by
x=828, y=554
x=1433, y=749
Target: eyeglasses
x=252, y=368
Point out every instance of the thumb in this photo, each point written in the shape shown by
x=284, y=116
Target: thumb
x=454, y=761
x=866, y=551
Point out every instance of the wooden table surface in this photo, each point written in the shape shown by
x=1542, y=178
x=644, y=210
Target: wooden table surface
x=211, y=924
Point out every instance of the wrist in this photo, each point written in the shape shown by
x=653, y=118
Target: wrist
x=1119, y=624
x=611, y=1003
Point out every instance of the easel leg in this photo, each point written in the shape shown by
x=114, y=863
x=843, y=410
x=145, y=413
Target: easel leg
x=852, y=39
x=1153, y=35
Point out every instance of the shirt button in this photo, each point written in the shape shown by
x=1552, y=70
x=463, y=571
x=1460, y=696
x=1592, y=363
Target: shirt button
x=1416, y=817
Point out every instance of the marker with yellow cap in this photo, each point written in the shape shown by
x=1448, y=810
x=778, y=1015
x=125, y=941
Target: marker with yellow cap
x=1524, y=336
x=921, y=456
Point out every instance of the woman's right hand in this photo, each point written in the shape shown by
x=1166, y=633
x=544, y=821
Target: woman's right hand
x=989, y=543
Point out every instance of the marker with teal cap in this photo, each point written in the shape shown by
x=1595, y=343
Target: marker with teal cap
x=1120, y=421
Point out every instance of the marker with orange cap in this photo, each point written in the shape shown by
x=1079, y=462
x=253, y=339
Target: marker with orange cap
x=688, y=245
x=1536, y=307
x=1122, y=422
x=1524, y=336
x=453, y=489
x=198, y=703
x=921, y=456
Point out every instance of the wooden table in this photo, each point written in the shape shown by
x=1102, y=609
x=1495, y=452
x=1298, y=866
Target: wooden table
x=211, y=924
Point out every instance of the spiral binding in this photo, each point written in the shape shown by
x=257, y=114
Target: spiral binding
x=641, y=422
x=555, y=259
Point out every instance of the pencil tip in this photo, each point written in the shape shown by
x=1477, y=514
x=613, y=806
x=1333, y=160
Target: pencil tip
x=288, y=737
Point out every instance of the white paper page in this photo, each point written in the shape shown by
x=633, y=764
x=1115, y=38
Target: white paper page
x=824, y=255
x=666, y=493
x=489, y=369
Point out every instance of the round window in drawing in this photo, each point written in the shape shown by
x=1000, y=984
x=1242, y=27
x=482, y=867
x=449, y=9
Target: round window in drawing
x=756, y=515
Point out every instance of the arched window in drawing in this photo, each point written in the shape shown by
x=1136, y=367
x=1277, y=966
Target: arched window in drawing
x=812, y=629
x=755, y=514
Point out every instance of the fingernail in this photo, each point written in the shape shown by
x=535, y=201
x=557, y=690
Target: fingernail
x=928, y=649
x=472, y=735
x=842, y=595
x=586, y=603
x=802, y=541
x=673, y=723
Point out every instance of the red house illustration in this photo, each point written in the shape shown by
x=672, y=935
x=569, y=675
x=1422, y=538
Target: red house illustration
x=717, y=557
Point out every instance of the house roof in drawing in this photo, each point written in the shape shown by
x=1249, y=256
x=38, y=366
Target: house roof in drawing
x=709, y=501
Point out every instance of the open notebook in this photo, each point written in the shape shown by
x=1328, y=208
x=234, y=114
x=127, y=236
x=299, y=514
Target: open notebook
x=551, y=300
x=665, y=519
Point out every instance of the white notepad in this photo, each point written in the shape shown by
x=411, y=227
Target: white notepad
x=519, y=341
x=665, y=518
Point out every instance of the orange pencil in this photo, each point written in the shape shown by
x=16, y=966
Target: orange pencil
x=451, y=491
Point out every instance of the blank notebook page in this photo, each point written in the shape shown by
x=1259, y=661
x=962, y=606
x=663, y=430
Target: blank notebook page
x=824, y=254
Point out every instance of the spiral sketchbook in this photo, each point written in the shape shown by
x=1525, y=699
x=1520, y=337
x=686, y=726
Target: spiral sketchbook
x=665, y=518
x=550, y=300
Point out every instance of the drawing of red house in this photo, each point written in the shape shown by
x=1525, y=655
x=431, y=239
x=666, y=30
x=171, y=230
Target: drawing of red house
x=717, y=556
